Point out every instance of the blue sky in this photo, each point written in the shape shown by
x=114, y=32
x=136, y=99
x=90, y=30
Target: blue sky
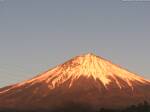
x=36, y=35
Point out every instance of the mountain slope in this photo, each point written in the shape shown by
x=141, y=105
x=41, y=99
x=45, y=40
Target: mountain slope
x=86, y=80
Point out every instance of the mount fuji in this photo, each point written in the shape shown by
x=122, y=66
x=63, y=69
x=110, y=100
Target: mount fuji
x=86, y=80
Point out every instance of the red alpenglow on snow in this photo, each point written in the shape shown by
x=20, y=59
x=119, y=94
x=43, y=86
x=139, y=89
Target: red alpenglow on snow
x=86, y=80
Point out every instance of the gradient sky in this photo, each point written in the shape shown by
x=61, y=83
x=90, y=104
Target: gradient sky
x=36, y=35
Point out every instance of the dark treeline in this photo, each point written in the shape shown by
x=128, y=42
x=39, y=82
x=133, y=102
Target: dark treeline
x=143, y=107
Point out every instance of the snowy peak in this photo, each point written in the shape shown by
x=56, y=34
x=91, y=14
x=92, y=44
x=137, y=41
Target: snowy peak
x=87, y=65
x=99, y=68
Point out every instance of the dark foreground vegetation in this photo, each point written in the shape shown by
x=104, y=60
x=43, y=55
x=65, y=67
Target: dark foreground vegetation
x=143, y=107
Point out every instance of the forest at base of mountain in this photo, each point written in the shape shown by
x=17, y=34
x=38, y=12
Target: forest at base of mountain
x=142, y=107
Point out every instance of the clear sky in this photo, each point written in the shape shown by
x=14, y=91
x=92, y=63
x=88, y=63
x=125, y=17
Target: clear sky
x=36, y=35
